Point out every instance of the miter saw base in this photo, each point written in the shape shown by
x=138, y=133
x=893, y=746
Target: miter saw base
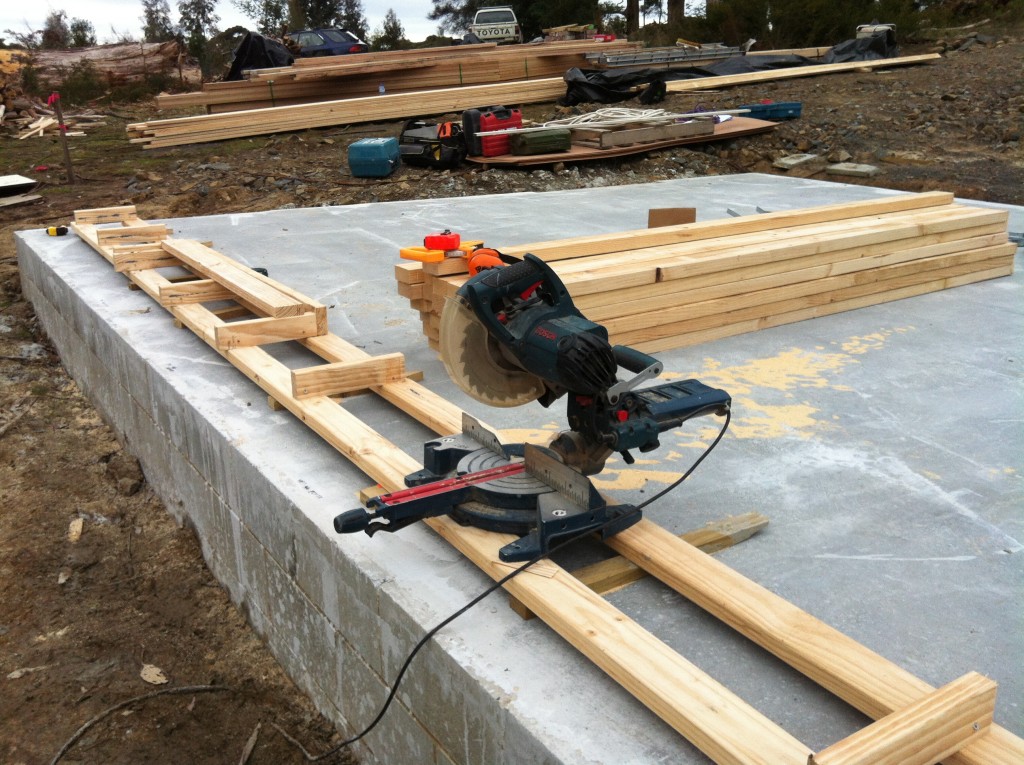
x=518, y=489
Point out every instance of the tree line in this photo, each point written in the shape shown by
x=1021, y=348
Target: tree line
x=774, y=23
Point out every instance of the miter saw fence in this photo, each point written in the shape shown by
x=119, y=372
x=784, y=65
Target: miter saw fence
x=512, y=335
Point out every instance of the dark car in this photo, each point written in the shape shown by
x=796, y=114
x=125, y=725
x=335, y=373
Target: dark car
x=327, y=42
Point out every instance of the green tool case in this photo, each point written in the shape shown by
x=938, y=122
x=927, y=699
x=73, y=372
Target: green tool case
x=540, y=141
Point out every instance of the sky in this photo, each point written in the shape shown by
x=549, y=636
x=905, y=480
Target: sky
x=125, y=16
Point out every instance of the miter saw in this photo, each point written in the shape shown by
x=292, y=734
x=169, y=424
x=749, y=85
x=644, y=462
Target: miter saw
x=512, y=335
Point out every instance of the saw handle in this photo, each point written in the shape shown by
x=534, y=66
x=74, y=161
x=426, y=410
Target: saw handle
x=632, y=359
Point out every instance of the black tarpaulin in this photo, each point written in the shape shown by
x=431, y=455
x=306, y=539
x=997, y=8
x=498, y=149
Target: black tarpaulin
x=257, y=52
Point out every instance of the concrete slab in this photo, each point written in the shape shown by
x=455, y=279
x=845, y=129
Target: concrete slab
x=885, y=444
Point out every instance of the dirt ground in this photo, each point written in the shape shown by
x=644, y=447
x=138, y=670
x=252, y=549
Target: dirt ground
x=99, y=586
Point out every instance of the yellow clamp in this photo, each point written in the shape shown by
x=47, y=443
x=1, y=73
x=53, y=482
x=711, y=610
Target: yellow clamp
x=423, y=255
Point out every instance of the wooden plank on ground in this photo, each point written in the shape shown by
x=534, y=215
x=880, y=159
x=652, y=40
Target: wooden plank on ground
x=703, y=83
x=610, y=138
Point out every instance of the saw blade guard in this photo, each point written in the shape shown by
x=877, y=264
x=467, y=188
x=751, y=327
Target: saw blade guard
x=477, y=364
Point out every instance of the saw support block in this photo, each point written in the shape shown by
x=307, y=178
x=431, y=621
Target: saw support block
x=347, y=376
x=245, y=334
x=925, y=732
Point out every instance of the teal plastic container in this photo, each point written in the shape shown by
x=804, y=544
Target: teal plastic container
x=373, y=157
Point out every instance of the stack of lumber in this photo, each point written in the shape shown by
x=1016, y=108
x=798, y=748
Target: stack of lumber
x=336, y=77
x=664, y=288
x=217, y=127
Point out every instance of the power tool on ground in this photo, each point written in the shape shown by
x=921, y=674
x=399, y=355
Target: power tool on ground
x=510, y=336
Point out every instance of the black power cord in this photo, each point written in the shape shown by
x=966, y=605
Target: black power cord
x=501, y=582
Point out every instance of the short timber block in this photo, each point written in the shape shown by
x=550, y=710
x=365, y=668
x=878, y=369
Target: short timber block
x=252, y=332
x=105, y=215
x=670, y=216
x=409, y=272
x=615, y=573
x=347, y=376
x=195, y=291
x=411, y=291
x=127, y=234
x=447, y=267
x=140, y=256
x=925, y=732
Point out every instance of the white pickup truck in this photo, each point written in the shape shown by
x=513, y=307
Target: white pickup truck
x=496, y=24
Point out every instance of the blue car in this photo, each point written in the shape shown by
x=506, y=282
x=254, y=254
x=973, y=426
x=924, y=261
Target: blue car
x=327, y=42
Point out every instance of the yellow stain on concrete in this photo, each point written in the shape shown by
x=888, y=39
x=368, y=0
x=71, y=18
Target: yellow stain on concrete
x=631, y=479
x=789, y=371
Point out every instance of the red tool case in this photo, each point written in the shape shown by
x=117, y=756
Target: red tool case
x=485, y=119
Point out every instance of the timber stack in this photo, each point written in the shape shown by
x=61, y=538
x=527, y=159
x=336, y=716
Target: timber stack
x=670, y=287
x=420, y=103
x=329, y=78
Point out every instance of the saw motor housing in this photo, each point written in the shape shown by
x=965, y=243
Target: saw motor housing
x=513, y=335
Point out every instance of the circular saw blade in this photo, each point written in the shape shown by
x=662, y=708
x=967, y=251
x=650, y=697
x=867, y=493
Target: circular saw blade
x=475, y=361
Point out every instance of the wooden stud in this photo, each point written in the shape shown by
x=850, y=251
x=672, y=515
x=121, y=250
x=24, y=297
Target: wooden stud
x=409, y=272
x=105, y=215
x=670, y=216
x=128, y=234
x=252, y=332
x=922, y=733
x=196, y=291
x=249, y=285
x=347, y=376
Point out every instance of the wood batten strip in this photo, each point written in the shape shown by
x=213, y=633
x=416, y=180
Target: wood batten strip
x=252, y=287
x=105, y=215
x=136, y=257
x=132, y=234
